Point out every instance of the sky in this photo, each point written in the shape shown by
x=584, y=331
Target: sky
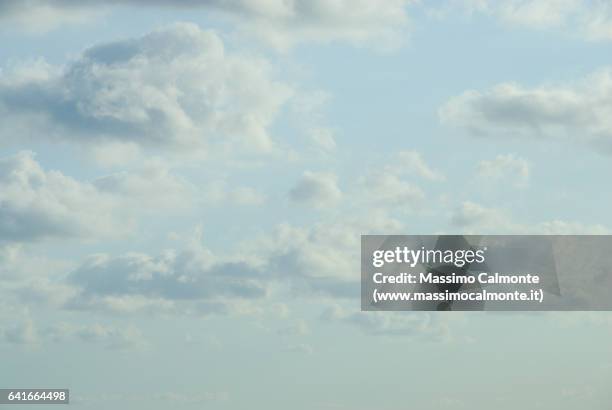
x=183, y=187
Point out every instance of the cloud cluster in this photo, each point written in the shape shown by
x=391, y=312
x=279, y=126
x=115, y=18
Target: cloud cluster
x=36, y=204
x=176, y=88
x=578, y=112
x=40, y=16
x=153, y=186
x=507, y=167
x=321, y=261
x=284, y=24
x=412, y=163
x=390, y=190
x=475, y=218
x=221, y=192
x=279, y=23
x=317, y=189
x=589, y=19
x=137, y=281
x=393, y=185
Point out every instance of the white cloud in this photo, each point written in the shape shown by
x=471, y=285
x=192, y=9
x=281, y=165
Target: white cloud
x=578, y=112
x=470, y=214
x=38, y=16
x=153, y=186
x=221, y=192
x=370, y=22
x=40, y=291
x=559, y=227
x=505, y=168
x=322, y=259
x=391, y=184
x=475, y=218
x=176, y=88
x=192, y=280
x=185, y=276
x=37, y=204
x=412, y=163
x=18, y=262
x=389, y=190
x=114, y=153
x=323, y=138
x=310, y=262
x=318, y=189
x=589, y=19
x=279, y=23
x=307, y=111
x=536, y=13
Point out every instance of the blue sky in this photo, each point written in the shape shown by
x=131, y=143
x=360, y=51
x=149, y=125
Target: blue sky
x=183, y=190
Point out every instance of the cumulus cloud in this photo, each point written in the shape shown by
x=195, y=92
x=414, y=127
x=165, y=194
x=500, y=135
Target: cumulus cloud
x=40, y=16
x=578, y=111
x=589, y=19
x=412, y=163
x=176, y=88
x=319, y=261
x=153, y=186
x=323, y=138
x=537, y=13
x=39, y=292
x=278, y=23
x=470, y=214
x=37, y=204
x=310, y=262
x=560, y=227
x=390, y=190
x=307, y=110
x=323, y=259
x=192, y=280
x=381, y=25
x=221, y=192
x=18, y=262
x=393, y=185
x=184, y=276
x=505, y=168
x=472, y=217
x=318, y=189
